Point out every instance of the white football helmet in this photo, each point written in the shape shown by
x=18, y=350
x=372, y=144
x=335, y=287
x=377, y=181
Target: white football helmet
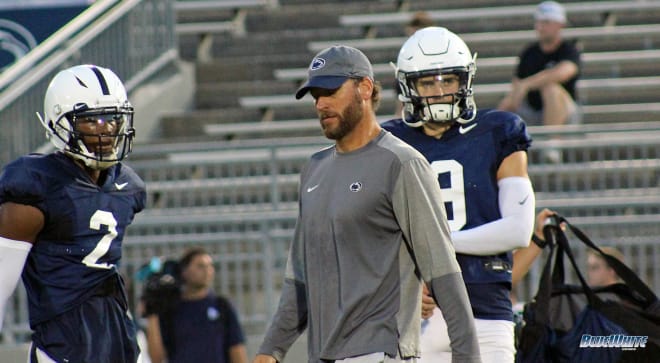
x=88, y=92
x=435, y=51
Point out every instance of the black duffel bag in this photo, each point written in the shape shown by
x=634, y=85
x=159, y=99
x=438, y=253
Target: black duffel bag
x=577, y=323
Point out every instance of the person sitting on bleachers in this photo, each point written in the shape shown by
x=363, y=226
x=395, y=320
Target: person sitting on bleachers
x=543, y=90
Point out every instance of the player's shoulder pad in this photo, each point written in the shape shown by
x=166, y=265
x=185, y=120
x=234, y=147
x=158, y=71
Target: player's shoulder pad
x=394, y=125
x=126, y=174
x=27, y=178
x=507, y=124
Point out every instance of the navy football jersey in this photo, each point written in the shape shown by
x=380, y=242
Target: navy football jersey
x=80, y=244
x=466, y=159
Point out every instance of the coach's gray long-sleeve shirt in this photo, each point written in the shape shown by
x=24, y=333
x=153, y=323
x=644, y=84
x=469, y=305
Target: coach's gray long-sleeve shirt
x=366, y=219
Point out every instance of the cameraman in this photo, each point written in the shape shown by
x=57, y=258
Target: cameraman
x=198, y=326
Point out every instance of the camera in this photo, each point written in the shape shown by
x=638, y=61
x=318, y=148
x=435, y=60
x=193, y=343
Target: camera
x=162, y=290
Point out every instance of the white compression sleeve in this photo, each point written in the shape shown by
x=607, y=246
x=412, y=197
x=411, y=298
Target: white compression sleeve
x=12, y=259
x=513, y=230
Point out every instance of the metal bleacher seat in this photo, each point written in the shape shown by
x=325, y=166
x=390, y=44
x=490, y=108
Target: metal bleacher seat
x=604, y=38
x=231, y=20
x=224, y=191
x=596, y=91
x=596, y=160
x=251, y=130
x=495, y=12
x=618, y=57
x=613, y=202
x=595, y=64
x=173, y=221
x=235, y=25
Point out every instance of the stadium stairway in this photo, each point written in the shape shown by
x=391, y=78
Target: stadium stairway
x=224, y=174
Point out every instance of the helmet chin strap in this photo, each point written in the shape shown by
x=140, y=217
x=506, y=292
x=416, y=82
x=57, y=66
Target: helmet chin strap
x=91, y=160
x=92, y=163
x=416, y=113
x=440, y=112
x=461, y=111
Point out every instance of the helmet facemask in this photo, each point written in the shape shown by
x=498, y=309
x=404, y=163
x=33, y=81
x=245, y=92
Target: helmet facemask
x=109, y=147
x=429, y=108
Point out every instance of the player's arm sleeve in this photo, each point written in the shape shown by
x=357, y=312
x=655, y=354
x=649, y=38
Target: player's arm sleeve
x=420, y=212
x=12, y=259
x=290, y=319
x=512, y=231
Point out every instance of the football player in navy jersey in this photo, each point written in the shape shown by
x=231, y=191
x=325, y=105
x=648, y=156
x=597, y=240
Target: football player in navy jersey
x=481, y=162
x=63, y=217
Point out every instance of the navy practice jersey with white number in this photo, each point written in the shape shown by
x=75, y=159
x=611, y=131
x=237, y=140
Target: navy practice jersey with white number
x=466, y=159
x=80, y=244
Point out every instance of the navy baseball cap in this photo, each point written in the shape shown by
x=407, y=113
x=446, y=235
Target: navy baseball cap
x=332, y=66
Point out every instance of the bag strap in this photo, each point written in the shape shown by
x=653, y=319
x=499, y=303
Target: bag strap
x=552, y=275
x=623, y=271
x=562, y=244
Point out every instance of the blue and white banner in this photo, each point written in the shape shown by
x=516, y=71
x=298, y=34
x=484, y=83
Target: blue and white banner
x=24, y=24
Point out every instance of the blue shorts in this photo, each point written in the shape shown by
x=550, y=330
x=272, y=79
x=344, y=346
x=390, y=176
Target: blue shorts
x=100, y=331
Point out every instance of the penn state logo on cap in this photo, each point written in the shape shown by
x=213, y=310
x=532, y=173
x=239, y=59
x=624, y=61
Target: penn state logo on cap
x=317, y=63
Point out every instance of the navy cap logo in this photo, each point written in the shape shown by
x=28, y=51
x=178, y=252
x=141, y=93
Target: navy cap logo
x=317, y=63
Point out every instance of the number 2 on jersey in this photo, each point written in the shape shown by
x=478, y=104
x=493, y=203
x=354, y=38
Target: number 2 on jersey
x=455, y=194
x=101, y=218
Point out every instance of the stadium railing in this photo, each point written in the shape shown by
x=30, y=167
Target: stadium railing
x=148, y=29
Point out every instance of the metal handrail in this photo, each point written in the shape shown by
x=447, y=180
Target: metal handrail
x=24, y=65
x=88, y=38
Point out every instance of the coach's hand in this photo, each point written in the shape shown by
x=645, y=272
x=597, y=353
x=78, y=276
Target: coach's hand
x=263, y=358
x=428, y=304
